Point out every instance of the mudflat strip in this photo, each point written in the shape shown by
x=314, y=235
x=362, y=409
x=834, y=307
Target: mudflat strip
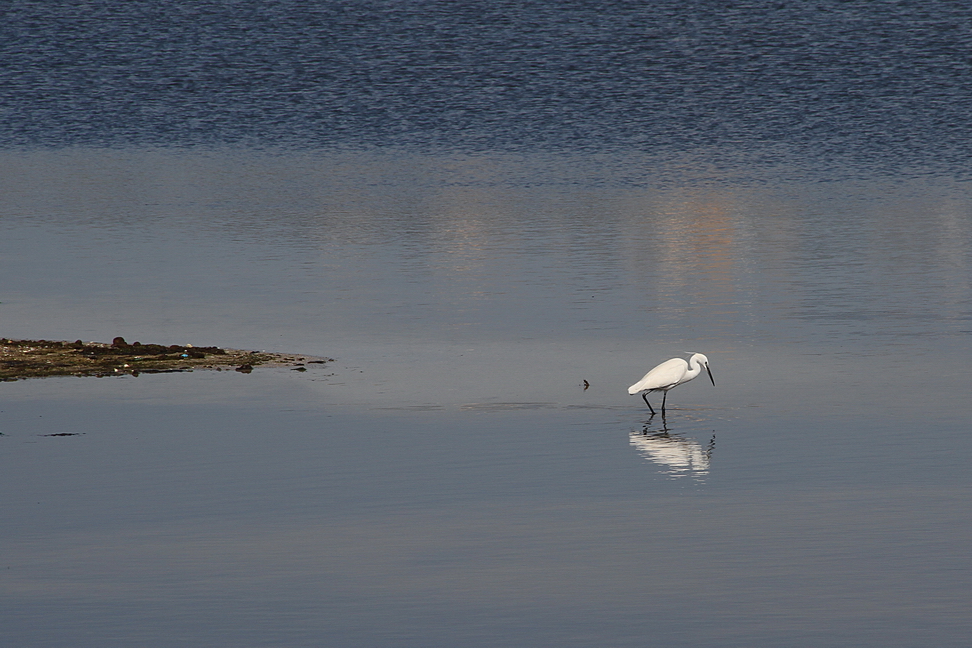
x=21, y=359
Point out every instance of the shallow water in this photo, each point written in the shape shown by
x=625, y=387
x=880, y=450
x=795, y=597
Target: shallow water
x=257, y=513
x=448, y=479
x=477, y=212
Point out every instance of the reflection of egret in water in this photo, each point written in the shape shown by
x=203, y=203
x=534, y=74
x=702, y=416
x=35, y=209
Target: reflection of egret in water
x=679, y=456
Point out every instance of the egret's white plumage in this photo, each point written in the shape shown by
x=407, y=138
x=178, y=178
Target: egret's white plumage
x=668, y=375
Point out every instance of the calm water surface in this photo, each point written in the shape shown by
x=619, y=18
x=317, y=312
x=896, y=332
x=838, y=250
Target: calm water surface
x=448, y=480
x=474, y=211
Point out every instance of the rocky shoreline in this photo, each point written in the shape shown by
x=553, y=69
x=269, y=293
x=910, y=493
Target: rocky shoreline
x=21, y=359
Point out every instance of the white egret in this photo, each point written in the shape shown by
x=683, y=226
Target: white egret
x=669, y=375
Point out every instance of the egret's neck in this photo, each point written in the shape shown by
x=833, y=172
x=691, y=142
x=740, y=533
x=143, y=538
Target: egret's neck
x=694, y=368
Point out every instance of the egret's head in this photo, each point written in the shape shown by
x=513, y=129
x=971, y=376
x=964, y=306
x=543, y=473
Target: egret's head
x=701, y=359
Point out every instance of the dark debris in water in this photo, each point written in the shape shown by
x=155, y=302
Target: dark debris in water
x=21, y=359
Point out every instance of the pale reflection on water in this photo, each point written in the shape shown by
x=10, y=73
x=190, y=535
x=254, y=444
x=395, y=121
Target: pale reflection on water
x=469, y=249
x=676, y=455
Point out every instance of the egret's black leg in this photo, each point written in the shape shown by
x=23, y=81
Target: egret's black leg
x=663, y=402
x=644, y=395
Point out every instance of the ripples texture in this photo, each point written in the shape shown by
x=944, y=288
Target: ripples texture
x=886, y=85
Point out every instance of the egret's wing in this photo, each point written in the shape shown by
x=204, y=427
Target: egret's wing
x=667, y=374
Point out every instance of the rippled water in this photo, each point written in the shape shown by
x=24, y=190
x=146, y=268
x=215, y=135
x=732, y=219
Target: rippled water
x=884, y=85
x=495, y=219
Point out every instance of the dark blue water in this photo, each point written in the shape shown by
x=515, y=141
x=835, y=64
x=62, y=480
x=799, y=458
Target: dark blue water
x=823, y=84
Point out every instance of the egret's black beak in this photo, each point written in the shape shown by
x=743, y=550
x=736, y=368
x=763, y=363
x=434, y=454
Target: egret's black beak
x=710, y=375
